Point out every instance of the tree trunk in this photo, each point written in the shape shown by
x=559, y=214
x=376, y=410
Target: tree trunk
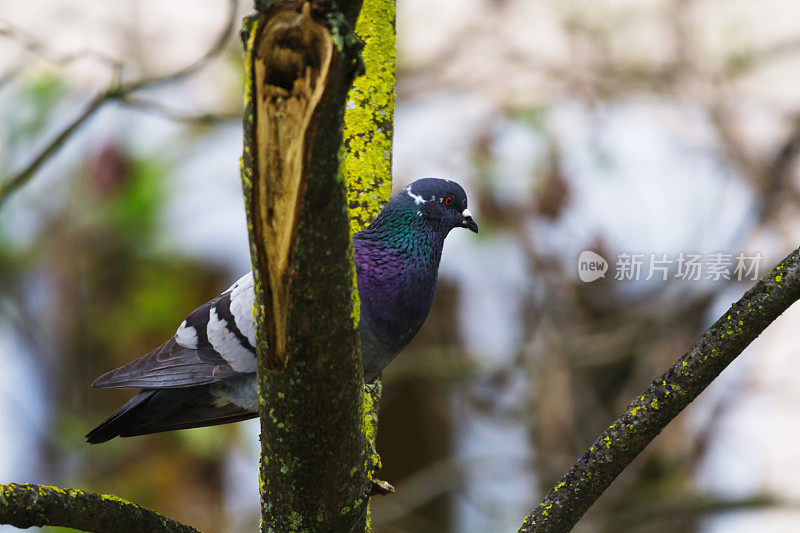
x=316, y=465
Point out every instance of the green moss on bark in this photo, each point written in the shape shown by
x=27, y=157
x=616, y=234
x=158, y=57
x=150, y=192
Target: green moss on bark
x=25, y=506
x=369, y=119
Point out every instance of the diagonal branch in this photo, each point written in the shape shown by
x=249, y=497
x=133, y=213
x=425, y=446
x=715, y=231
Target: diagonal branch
x=26, y=506
x=667, y=396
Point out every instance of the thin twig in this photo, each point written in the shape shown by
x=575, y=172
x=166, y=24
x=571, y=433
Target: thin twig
x=32, y=45
x=203, y=119
x=116, y=91
x=667, y=396
x=434, y=480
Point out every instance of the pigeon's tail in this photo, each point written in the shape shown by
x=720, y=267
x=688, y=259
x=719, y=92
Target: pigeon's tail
x=157, y=410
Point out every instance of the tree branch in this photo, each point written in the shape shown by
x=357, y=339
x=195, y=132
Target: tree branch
x=216, y=49
x=26, y=506
x=667, y=396
x=117, y=90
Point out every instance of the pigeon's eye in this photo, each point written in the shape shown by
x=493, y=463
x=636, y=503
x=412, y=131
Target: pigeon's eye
x=448, y=200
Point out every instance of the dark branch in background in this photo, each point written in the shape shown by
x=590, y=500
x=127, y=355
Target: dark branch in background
x=779, y=173
x=191, y=69
x=667, y=396
x=27, y=506
x=694, y=507
x=117, y=90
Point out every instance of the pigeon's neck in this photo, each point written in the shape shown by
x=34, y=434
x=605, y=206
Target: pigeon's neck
x=406, y=233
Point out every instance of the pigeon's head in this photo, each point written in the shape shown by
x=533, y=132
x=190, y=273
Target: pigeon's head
x=441, y=202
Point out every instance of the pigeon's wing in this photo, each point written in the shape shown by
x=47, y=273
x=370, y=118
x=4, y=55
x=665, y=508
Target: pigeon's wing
x=156, y=410
x=215, y=342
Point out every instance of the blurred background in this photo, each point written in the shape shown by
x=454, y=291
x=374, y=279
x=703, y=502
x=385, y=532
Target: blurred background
x=640, y=130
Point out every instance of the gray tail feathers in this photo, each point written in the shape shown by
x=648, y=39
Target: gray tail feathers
x=156, y=410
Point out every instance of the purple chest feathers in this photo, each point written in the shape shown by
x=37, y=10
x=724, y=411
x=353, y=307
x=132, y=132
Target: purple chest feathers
x=396, y=286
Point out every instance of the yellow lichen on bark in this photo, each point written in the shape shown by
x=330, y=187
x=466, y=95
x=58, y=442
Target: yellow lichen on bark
x=366, y=158
x=368, y=120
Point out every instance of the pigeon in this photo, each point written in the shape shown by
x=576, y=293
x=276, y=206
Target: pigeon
x=206, y=373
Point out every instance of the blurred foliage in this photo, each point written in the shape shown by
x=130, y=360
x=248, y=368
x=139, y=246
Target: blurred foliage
x=37, y=101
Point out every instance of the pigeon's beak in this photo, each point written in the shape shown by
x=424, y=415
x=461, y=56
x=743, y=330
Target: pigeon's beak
x=468, y=221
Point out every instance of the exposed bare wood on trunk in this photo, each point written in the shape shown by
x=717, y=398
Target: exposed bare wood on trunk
x=291, y=68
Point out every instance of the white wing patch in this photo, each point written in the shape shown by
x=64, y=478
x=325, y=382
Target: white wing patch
x=417, y=198
x=242, y=296
x=228, y=346
x=186, y=336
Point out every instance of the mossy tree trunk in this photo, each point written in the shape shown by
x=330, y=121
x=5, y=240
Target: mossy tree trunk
x=305, y=161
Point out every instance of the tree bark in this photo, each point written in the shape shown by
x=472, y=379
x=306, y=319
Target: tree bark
x=317, y=463
x=667, y=396
x=26, y=506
